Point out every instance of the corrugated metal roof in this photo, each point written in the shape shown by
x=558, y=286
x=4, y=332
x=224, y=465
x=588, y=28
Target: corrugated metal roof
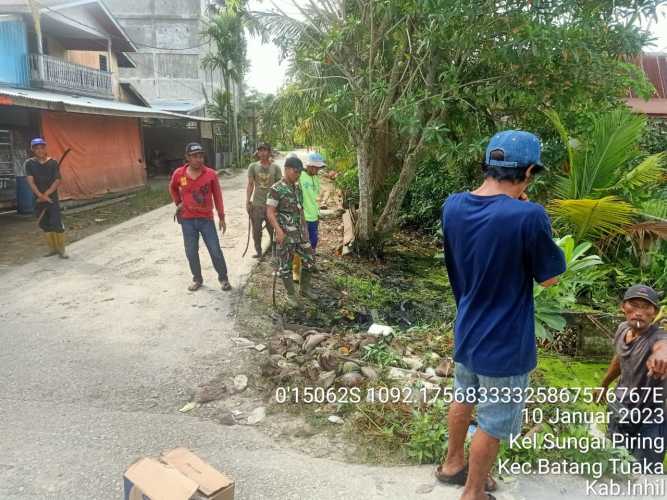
x=655, y=68
x=80, y=104
x=185, y=106
x=654, y=65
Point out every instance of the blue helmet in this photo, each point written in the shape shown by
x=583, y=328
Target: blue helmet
x=37, y=141
x=315, y=160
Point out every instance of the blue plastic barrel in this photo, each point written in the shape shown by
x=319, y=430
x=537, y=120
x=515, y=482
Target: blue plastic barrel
x=25, y=200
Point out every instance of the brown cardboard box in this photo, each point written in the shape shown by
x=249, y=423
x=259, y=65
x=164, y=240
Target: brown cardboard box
x=178, y=475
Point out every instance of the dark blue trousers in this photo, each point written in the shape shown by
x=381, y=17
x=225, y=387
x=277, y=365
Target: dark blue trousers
x=192, y=228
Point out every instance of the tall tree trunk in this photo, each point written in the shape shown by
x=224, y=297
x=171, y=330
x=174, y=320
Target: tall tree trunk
x=381, y=156
x=235, y=122
x=389, y=217
x=230, y=128
x=365, y=222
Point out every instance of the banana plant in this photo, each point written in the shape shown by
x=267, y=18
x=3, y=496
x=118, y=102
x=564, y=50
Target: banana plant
x=551, y=302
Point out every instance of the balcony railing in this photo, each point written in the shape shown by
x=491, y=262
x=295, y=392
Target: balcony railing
x=56, y=74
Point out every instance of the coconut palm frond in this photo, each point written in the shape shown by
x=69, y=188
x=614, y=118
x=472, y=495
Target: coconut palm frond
x=608, y=216
x=654, y=209
x=281, y=29
x=648, y=173
x=646, y=235
x=652, y=229
x=555, y=120
x=613, y=143
x=562, y=187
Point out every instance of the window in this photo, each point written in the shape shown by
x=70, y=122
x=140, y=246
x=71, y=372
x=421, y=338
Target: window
x=104, y=64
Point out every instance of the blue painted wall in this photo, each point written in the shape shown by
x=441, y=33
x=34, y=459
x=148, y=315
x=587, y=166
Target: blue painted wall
x=14, y=70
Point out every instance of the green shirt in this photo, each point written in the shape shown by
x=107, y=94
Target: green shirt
x=310, y=187
x=264, y=178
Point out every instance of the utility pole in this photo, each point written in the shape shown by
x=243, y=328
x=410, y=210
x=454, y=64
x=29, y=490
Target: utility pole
x=254, y=125
x=34, y=9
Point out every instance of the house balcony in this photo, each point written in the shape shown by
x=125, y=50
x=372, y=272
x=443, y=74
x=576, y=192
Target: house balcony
x=51, y=73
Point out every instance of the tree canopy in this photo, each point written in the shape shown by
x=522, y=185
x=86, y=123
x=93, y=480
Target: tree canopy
x=404, y=81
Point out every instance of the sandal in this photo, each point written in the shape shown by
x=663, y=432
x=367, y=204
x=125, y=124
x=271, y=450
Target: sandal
x=225, y=285
x=460, y=478
x=194, y=286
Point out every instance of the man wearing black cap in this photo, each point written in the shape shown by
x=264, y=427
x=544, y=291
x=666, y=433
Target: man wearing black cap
x=641, y=363
x=261, y=176
x=43, y=176
x=284, y=207
x=195, y=189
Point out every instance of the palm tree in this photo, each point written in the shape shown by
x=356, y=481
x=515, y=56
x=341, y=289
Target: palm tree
x=226, y=31
x=600, y=193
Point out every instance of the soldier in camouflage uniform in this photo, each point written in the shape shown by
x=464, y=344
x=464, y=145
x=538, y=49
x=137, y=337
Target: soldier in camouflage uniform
x=284, y=210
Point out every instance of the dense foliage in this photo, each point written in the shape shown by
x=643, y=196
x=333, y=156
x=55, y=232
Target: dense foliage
x=413, y=85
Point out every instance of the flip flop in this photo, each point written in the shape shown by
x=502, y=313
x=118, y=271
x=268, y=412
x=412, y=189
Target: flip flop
x=460, y=478
x=194, y=286
x=225, y=285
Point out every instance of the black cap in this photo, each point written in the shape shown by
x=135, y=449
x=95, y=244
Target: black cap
x=193, y=147
x=294, y=162
x=264, y=145
x=642, y=292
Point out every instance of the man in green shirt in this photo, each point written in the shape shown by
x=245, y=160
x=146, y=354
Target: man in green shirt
x=310, y=187
x=261, y=176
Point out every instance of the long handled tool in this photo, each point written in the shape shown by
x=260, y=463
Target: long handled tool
x=274, y=255
x=60, y=162
x=247, y=243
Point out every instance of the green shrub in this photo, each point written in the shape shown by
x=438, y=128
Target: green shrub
x=428, y=432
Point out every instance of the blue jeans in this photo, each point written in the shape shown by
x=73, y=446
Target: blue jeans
x=192, y=228
x=497, y=415
x=312, y=233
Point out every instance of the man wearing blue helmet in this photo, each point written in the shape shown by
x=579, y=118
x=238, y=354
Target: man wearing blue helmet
x=310, y=187
x=43, y=176
x=497, y=244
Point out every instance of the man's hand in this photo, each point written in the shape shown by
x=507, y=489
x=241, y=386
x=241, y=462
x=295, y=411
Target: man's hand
x=45, y=198
x=222, y=225
x=550, y=282
x=523, y=197
x=657, y=363
x=280, y=236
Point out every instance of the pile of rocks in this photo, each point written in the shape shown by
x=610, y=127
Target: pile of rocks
x=318, y=358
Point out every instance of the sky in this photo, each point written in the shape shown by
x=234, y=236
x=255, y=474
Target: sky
x=267, y=73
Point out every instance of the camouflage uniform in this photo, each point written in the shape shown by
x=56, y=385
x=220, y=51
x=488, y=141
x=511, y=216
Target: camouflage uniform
x=288, y=200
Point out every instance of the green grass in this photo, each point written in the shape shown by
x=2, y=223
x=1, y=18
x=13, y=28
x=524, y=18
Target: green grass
x=560, y=371
x=366, y=291
x=136, y=204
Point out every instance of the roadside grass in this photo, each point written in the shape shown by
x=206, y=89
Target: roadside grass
x=135, y=204
x=409, y=290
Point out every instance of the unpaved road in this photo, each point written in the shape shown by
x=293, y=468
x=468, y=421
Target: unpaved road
x=99, y=352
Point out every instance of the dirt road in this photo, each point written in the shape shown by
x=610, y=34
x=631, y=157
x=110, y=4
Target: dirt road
x=99, y=352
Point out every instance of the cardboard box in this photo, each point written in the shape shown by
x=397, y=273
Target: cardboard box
x=178, y=475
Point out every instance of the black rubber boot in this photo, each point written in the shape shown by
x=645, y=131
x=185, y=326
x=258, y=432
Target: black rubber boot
x=291, y=292
x=306, y=290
